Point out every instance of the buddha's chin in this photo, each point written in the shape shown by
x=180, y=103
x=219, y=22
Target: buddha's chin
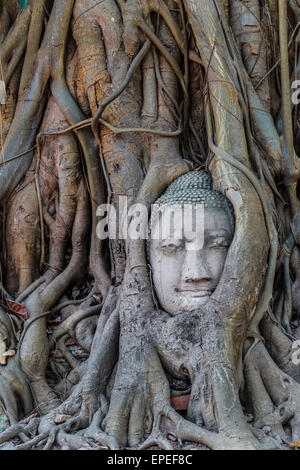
x=187, y=303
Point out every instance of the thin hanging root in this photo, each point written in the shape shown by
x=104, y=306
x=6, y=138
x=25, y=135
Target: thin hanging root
x=162, y=84
x=169, y=58
x=161, y=9
x=278, y=60
x=18, y=156
x=116, y=130
x=40, y=205
x=138, y=130
x=133, y=67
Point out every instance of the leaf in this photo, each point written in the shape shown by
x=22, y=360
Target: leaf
x=181, y=402
x=5, y=353
x=295, y=444
x=9, y=353
x=75, y=292
x=17, y=308
x=61, y=418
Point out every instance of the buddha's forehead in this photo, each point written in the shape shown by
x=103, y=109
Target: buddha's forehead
x=194, y=218
x=210, y=225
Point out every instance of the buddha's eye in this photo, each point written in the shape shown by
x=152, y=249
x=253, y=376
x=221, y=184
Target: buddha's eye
x=218, y=244
x=171, y=246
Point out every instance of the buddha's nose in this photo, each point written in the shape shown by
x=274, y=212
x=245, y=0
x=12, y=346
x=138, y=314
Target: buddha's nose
x=195, y=267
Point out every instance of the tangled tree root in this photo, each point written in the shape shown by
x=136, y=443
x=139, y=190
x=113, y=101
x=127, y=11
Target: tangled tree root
x=125, y=117
x=275, y=396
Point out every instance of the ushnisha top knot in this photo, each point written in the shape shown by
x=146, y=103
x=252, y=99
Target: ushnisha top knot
x=194, y=187
x=191, y=180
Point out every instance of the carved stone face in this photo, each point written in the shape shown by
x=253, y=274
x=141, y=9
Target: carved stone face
x=185, y=272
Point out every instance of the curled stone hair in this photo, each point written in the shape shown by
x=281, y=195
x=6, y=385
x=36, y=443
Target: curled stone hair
x=194, y=187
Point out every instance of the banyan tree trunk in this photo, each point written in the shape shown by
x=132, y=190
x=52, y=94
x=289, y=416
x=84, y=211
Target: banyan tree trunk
x=116, y=99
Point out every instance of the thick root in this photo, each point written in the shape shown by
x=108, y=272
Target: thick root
x=19, y=428
x=15, y=391
x=144, y=394
x=274, y=395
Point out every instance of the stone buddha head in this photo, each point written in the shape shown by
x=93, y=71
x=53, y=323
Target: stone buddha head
x=192, y=227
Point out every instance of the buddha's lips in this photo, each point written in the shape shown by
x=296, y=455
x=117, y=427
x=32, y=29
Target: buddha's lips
x=196, y=293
